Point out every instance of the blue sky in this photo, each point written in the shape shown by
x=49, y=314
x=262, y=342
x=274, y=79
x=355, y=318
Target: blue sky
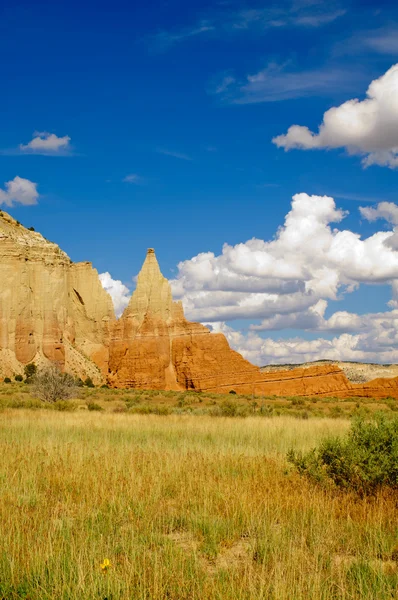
x=164, y=117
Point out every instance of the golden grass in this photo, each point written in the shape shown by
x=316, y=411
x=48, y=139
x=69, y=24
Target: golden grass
x=184, y=507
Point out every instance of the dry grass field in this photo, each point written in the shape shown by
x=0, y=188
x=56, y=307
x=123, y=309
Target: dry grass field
x=184, y=504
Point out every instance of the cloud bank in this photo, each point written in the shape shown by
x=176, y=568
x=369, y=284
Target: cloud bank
x=368, y=128
x=288, y=282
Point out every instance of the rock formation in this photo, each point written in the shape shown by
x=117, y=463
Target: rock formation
x=153, y=346
x=51, y=309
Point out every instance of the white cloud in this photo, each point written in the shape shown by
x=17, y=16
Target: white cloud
x=132, y=178
x=279, y=82
x=286, y=14
x=378, y=343
x=224, y=84
x=383, y=40
x=165, y=39
x=19, y=191
x=179, y=155
x=119, y=292
x=307, y=261
x=227, y=20
x=368, y=127
x=46, y=143
x=289, y=281
x=384, y=210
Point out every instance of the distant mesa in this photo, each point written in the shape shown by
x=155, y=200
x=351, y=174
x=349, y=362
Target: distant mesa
x=54, y=310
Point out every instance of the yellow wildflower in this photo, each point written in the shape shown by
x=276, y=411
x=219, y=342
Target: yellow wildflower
x=105, y=565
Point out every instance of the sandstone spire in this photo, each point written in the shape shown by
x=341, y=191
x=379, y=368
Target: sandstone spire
x=152, y=295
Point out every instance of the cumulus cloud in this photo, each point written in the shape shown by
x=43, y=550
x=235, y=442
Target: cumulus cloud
x=384, y=210
x=19, y=191
x=290, y=281
x=119, y=292
x=368, y=127
x=46, y=143
x=307, y=261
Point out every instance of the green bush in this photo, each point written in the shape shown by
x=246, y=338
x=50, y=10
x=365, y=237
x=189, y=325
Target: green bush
x=30, y=370
x=229, y=408
x=144, y=409
x=7, y=380
x=94, y=406
x=364, y=461
x=18, y=378
x=88, y=382
x=64, y=406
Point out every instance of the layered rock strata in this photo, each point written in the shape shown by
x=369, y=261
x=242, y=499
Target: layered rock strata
x=51, y=309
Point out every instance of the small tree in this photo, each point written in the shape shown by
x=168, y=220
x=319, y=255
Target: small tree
x=30, y=370
x=88, y=382
x=50, y=385
x=18, y=378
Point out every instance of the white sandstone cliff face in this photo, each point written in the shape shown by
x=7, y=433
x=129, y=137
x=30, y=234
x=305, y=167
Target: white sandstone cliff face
x=51, y=309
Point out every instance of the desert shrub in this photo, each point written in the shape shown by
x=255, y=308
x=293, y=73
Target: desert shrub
x=30, y=370
x=131, y=401
x=88, y=382
x=144, y=409
x=232, y=392
x=64, y=406
x=7, y=380
x=141, y=409
x=105, y=386
x=94, y=406
x=298, y=402
x=79, y=382
x=266, y=410
x=229, y=408
x=18, y=378
x=162, y=410
x=31, y=228
x=51, y=385
x=336, y=411
x=20, y=402
x=363, y=462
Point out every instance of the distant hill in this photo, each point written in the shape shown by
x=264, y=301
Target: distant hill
x=356, y=372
